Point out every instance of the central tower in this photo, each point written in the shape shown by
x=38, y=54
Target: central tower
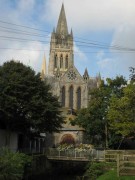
x=61, y=47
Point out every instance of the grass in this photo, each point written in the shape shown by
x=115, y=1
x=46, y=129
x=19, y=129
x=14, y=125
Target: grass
x=112, y=175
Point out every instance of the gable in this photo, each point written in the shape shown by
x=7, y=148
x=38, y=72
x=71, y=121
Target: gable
x=72, y=76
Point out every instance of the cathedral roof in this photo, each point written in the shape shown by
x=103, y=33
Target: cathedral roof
x=62, y=23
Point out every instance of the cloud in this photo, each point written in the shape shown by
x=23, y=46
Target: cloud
x=93, y=15
x=121, y=60
x=80, y=59
x=29, y=52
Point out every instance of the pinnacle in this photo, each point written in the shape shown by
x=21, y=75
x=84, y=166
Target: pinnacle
x=62, y=22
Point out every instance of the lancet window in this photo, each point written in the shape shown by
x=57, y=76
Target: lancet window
x=71, y=97
x=79, y=98
x=61, y=61
x=63, y=96
x=66, y=62
x=55, y=61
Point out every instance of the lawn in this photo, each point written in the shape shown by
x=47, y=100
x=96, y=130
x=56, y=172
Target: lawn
x=112, y=175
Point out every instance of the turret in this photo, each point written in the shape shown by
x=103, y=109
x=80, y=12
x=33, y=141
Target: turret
x=98, y=77
x=43, y=68
x=86, y=75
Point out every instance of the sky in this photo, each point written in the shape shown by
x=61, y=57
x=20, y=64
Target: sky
x=103, y=30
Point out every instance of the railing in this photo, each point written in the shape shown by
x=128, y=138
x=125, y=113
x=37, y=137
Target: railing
x=72, y=154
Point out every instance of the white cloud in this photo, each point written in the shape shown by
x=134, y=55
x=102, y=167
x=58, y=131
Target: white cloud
x=95, y=15
x=121, y=60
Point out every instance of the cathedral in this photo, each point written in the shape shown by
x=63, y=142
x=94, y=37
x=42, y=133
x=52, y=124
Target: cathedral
x=67, y=83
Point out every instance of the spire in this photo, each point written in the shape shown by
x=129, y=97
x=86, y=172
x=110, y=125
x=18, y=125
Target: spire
x=71, y=33
x=62, y=23
x=43, y=68
x=86, y=75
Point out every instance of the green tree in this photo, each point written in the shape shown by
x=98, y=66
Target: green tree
x=12, y=165
x=26, y=102
x=121, y=114
x=94, y=118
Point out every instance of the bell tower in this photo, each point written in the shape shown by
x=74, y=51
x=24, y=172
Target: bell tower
x=61, y=47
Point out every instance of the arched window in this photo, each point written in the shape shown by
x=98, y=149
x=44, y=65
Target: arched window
x=67, y=139
x=71, y=97
x=66, y=62
x=79, y=98
x=61, y=61
x=55, y=61
x=63, y=96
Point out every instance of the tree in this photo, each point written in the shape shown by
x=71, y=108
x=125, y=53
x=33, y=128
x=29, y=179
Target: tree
x=121, y=114
x=26, y=102
x=94, y=118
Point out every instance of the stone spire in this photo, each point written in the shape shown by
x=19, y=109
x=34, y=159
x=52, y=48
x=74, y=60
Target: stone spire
x=43, y=68
x=86, y=75
x=71, y=33
x=62, y=23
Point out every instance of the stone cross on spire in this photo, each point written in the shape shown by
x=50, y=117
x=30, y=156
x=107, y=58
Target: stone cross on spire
x=62, y=23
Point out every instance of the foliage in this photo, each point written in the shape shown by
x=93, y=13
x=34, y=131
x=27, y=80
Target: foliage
x=95, y=169
x=12, y=164
x=94, y=118
x=121, y=114
x=78, y=147
x=26, y=101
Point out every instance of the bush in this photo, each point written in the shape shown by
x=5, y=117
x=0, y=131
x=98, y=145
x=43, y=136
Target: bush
x=12, y=164
x=96, y=169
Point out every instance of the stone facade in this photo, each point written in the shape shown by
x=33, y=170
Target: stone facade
x=67, y=83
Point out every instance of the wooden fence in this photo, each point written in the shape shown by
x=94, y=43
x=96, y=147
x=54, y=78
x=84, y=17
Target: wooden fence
x=126, y=164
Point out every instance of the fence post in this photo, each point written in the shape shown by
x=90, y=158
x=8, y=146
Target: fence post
x=118, y=165
x=104, y=155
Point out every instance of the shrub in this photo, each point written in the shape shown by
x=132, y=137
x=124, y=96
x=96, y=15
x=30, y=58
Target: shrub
x=12, y=164
x=95, y=169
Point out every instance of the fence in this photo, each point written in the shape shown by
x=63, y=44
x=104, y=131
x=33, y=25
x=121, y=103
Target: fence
x=126, y=164
x=111, y=155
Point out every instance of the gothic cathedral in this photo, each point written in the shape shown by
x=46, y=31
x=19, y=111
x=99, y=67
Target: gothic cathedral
x=67, y=83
